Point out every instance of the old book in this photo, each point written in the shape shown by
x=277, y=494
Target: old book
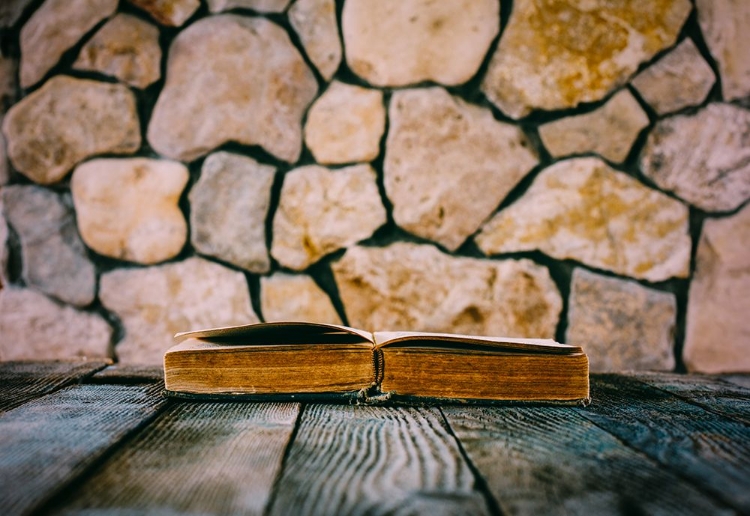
x=296, y=360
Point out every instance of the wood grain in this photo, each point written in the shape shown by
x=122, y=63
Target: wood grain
x=25, y=380
x=551, y=460
x=711, y=393
x=375, y=460
x=711, y=451
x=46, y=443
x=129, y=374
x=196, y=458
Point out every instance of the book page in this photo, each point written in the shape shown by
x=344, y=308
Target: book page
x=424, y=339
x=280, y=333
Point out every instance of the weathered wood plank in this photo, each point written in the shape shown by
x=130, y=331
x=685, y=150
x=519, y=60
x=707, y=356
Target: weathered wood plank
x=711, y=451
x=196, y=458
x=743, y=380
x=25, y=380
x=129, y=374
x=709, y=392
x=551, y=460
x=48, y=442
x=375, y=460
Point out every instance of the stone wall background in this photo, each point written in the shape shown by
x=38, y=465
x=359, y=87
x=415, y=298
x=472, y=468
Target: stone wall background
x=527, y=168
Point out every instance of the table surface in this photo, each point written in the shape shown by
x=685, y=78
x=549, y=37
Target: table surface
x=85, y=437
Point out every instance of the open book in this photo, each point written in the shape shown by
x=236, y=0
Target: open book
x=295, y=360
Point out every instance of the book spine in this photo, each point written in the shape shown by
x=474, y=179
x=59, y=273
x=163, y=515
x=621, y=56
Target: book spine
x=378, y=365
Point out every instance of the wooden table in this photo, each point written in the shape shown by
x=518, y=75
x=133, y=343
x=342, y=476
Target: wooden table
x=82, y=437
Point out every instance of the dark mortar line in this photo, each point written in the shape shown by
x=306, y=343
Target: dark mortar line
x=275, y=489
x=692, y=29
x=10, y=36
x=322, y=273
x=253, y=287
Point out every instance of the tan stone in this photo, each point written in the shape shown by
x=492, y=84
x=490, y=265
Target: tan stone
x=11, y=11
x=4, y=280
x=314, y=21
x=33, y=327
x=582, y=209
x=4, y=168
x=621, y=325
x=703, y=158
x=127, y=208
x=263, y=6
x=725, y=28
x=8, y=85
x=345, y=124
x=718, y=328
x=126, y=47
x=168, y=12
x=287, y=297
x=228, y=210
x=66, y=121
x=323, y=210
x=608, y=131
x=401, y=42
x=680, y=79
x=408, y=286
x=154, y=303
x=55, y=27
x=449, y=164
x=557, y=54
x=232, y=78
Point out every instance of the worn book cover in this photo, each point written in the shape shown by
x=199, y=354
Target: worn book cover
x=307, y=361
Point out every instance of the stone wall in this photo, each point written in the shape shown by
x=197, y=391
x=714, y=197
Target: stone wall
x=545, y=168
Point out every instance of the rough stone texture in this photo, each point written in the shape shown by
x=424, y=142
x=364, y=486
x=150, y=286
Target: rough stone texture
x=8, y=86
x=621, y=325
x=4, y=168
x=127, y=208
x=314, y=21
x=66, y=121
x=608, y=131
x=3, y=247
x=680, y=79
x=408, y=286
x=126, y=47
x=448, y=164
x=323, y=210
x=33, y=327
x=264, y=6
x=11, y=11
x=287, y=297
x=168, y=12
x=583, y=210
x=232, y=78
x=703, y=158
x=718, y=333
x=345, y=124
x=55, y=27
x=154, y=303
x=557, y=54
x=228, y=209
x=53, y=256
x=724, y=24
x=400, y=42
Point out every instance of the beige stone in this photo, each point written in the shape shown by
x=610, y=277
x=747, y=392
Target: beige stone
x=401, y=42
x=680, y=79
x=4, y=280
x=621, y=325
x=53, y=257
x=263, y=6
x=315, y=23
x=11, y=11
x=558, y=54
x=55, y=27
x=408, y=286
x=4, y=168
x=33, y=327
x=232, y=78
x=154, y=303
x=127, y=208
x=287, y=297
x=608, y=131
x=725, y=28
x=323, y=210
x=228, y=210
x=449, y=164
x=126, y=47
x=345, y=124
x=66, y=121
x=582, y=209
x=718, y=328
x=703, y=158
x=168, y=12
